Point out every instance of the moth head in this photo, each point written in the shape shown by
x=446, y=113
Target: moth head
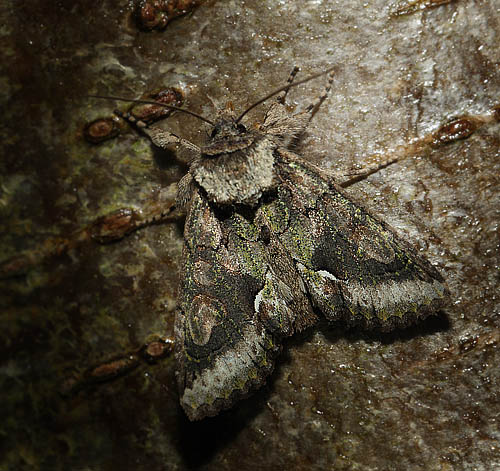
x=226, y=124
x=225, y=128
x=227, y=135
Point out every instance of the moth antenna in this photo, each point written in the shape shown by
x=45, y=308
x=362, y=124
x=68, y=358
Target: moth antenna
x=281, y=99
x=152, y=102
x=281, y=89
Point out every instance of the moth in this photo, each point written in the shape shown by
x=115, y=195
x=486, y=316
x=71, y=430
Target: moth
x=270, y=244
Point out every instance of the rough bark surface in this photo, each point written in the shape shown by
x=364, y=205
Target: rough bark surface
x=423, y=398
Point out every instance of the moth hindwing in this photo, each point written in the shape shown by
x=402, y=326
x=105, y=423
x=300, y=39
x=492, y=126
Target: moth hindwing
x=270, y=243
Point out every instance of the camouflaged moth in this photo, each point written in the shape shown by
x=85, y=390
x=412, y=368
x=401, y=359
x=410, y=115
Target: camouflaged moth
x=271, y=243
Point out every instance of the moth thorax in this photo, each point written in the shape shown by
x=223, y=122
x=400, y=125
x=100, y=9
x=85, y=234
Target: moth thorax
x=240, y=176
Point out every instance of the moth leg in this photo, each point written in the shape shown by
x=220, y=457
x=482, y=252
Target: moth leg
x=120, y=223
x=454, y=130
x=282, y=96
x=105, y=229
x=314, y=107
x=277, y=121
x=417, y=5
x=371, y=167
x=118, y=366
x=159, y=137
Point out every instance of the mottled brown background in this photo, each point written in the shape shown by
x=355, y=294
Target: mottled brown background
x=426, y=398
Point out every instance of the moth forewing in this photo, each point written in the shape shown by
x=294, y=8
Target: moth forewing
x=222, y=350
x=354, y=266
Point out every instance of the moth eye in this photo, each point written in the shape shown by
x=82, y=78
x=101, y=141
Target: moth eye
x=214, y=132
x=241, y=128
x=265, y=234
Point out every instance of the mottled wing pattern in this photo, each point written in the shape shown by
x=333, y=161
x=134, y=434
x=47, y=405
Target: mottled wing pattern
x=354, y=266
x=252, y=277
x=237, y=300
